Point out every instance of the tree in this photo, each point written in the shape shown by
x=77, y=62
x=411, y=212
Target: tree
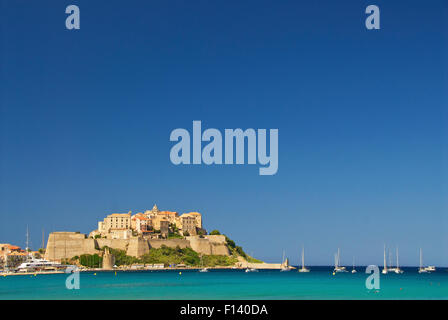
x=240, y=251
x=215, y=233
x=91, y=261
x=230, y=243
x=174, y=228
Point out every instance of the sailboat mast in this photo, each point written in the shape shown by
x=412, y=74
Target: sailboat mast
x=27, y=239
x=390, y=258
x=421, y=258
x=397, y=258
x=303, y=257
x=385, y=265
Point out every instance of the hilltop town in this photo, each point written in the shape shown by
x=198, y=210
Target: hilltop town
x=149, y=238
x=151, y=224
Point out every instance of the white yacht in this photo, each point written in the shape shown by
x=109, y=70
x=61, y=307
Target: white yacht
x=34, y=265
x=337, y=262
x=303, y=269
x=251, y=270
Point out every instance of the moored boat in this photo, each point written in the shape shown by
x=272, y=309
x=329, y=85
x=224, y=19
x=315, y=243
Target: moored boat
x=337, y=263
x=423, y=269
x=385, y=270
x=41, y=265
x=354, y=270
x=303, y=269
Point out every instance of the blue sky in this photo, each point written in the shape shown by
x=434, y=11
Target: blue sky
x=86, y=117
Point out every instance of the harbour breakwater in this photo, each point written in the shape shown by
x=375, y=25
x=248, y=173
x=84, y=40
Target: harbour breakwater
x=66, y=245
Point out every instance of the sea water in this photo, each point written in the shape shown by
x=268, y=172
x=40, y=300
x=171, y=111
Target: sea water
x=320, y=283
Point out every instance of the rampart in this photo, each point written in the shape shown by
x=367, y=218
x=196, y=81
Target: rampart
x=66, y=245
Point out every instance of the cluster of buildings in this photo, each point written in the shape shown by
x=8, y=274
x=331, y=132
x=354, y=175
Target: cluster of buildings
x=151, y=224
x=11, y=256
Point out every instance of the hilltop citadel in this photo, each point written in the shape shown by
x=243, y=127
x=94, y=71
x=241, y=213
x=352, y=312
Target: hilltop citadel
x=165, y=238
x=137, y=234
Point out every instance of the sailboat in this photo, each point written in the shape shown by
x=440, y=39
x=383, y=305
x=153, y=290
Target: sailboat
x=203, y=269
x=354, y=270
x=431, y=268
x=422, y=269
x=397, y=267
x=303, y=269
x=390, y=269
x=385, y=270
x=337, y=261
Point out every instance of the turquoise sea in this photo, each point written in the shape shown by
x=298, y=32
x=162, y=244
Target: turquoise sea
x=228, y=284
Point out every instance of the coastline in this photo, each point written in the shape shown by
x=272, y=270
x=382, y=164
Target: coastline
x=130, y=269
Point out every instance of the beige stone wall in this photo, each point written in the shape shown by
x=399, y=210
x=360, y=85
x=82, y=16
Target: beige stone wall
x=137, y=247
x=201, y=246
x=215, y=244
x=62, y=245
x=172, y=243
x=121, y=244
x=221, y=239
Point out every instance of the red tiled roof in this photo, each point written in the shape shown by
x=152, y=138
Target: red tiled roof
x=17, y=254
x=168, y=212
x=194, y=213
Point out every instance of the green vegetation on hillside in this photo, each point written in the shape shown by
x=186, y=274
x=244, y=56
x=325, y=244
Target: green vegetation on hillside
x=167, y=256
x=219, y=261
x=185, y=256
x=253, y=260
x=164, y=254
x=175, y=236
x=238, y=250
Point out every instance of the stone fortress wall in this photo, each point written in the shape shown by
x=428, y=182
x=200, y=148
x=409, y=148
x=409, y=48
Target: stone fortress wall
x=63, y=245
x=66, y=245
x=210, y=244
